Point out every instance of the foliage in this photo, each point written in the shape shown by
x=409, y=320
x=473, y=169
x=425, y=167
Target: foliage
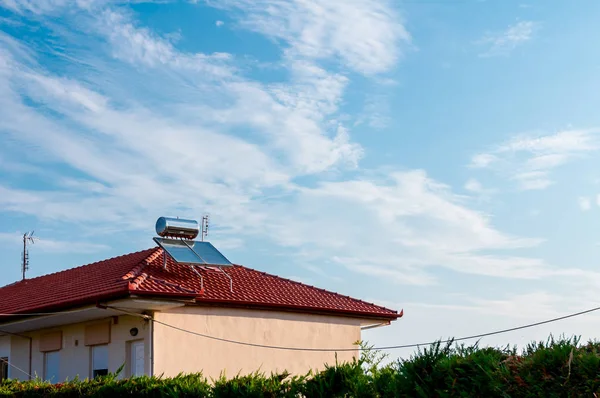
x=554, y=368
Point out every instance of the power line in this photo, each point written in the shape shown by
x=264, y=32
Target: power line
x=16, y=367
x=383, y=348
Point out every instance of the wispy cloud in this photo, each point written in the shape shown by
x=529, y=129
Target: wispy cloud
x=376, y=112
x=151, y=130
x=415, y=223
x=49, y=245
x=476, y=187
x=366, y=35
x=530, y=159
x=482, y=160
x=503, y=43
x=138, y=45
x=174, y=132
x=585, y=204
x=534, y=305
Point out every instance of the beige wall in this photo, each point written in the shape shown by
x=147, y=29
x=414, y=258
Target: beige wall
x=19, y=358
x=176, y=351
x=75, y=356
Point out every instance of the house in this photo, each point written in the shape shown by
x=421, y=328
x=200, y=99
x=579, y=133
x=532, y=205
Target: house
x=161, y=317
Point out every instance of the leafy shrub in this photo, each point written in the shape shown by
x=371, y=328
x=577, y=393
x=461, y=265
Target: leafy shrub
x=555, y=368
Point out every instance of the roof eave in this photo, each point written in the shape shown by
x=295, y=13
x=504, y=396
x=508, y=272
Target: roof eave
x=66, y=305
x=392, y=316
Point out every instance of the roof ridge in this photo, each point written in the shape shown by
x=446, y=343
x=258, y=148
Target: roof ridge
x=134, y=284
x=318, y=288
x=135, y=271
x=74, y=268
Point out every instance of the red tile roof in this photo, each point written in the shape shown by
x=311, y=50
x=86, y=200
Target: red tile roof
x=142, y=273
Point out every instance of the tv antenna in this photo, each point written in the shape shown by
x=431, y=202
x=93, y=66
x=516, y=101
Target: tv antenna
x=205, y=221
x=27, y=239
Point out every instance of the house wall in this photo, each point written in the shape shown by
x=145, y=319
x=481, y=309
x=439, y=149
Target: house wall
x=19, y=358
x=176, y=351
x=75, y=356
x=5, y=348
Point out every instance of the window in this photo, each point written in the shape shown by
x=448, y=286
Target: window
x=136, y=356
x=3, y=368
x=51, y=366
x=99, y=360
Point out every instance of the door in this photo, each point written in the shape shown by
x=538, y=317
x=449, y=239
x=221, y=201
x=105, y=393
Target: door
x=51, y=366
x=137, y=358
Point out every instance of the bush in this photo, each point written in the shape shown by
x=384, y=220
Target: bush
x=555, y=368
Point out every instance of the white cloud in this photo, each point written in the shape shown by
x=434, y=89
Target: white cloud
x=167, y=151
x=482, y=160
x=49, y=245
x=139, y=45
x=219, y=23
x=561, y=143
x=375, y=113
x=294, y=115
x=503, y=43
x=533, y=180
x=585, y=204
x=530, y=159
x=414, y=224
x=34, y=6
x=546, y=161
x=234, y=147
x=366, y=35
x=531, y=305
x=298, y=116
x=474, y=186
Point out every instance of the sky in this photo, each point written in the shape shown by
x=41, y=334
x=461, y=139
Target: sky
x=439, y=157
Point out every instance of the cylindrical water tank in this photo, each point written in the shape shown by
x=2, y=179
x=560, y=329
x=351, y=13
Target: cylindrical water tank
x=177, y=228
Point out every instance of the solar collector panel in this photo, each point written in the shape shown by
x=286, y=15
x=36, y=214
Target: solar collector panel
x=193, y=252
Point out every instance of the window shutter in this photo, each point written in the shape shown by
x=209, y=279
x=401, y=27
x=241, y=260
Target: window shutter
x=98, y=333
x=51, y=341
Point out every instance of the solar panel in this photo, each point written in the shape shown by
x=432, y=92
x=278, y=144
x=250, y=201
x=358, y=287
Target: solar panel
x=193, y=252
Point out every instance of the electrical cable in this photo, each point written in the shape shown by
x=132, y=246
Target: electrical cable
x=16, y=367
x=382, y=348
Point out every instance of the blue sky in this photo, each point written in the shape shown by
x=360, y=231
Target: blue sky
x=435, y=156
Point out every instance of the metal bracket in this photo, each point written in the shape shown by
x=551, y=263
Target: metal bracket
x=201, y=278
x=230, y=279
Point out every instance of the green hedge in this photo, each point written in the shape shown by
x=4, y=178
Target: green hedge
x=556, y=368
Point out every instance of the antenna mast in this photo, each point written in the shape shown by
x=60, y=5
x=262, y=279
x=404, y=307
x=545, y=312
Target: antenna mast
x=205, y=220
x=27, y=239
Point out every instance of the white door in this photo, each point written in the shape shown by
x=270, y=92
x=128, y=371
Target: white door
x=137, y=358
